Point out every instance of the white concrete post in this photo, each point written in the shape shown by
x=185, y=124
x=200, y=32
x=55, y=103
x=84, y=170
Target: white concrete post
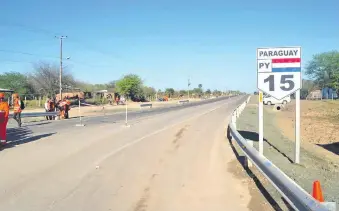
x=248, y=162
x=297, y=127
x=261, y=123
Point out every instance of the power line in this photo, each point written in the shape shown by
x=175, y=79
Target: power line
x=30, y=28
x=97, y=50
x=48, y=32
x=25, y=53
x=15, y=61
x=89, y=64
x=54, y=57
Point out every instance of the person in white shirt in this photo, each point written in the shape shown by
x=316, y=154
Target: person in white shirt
x=47, y=106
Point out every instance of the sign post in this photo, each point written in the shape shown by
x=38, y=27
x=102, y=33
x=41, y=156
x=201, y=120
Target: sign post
x=188, y=88
x=261, y=123
x=79, y=113
x=297, y=127
x=279, y=75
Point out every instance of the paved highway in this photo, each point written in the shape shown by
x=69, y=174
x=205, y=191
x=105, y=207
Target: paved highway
x=168, y=159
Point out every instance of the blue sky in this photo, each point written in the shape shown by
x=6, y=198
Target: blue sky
x=165, y=42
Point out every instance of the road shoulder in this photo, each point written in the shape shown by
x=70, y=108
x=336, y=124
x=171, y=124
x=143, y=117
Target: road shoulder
x=280, y=150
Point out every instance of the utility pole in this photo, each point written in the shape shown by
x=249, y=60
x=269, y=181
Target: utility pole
x=60, y=75
x=188, y=90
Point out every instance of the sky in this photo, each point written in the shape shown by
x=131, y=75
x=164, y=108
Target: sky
x=165, y=42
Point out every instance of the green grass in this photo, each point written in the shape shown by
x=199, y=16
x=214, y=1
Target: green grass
x=34, y=103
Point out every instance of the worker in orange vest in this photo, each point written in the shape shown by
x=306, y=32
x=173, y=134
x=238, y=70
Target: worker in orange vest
x=51, y=108
x=67, y=107
x=17, y=108
x=4, y=113
x=64, y=106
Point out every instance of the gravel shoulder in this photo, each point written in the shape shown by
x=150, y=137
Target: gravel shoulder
x=280, y=150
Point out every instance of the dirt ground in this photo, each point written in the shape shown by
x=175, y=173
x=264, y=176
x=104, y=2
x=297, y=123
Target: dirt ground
x=319, y=123
x=316, y=162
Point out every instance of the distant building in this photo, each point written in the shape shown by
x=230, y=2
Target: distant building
x=71, y=95
x=6, y=90
x=314, y=95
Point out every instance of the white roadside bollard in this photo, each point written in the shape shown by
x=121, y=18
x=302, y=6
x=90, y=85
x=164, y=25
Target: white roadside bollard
x=234, y=120
x=80, y=124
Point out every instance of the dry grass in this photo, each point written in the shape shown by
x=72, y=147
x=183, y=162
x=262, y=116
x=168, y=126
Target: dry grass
x=319, y=121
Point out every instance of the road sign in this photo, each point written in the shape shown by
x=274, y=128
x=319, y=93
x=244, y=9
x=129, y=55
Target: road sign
x=279, y=71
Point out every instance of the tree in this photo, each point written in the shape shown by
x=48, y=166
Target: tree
x=197, y=91
x=45, y=78
x=324, y=69
x=208, y=92
x=149, y=91
x=17, y=82
x=307, y=87
x=111, y=86
x=200, y=86
x=98, y=87
x=216, y=92
x=170, y=92
x=131, y=86
x=182, y=92
x=84, y=86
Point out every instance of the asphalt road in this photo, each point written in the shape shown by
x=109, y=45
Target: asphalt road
x=57, y=126
x=168, y=159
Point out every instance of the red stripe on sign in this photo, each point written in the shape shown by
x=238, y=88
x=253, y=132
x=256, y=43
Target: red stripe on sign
x=288, y=60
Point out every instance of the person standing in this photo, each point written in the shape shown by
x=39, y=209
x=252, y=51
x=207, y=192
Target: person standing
x=17, y=108
x=47, y=108
x=4, y=113
x=67, y=108
x=117, y=100
x=52, y=108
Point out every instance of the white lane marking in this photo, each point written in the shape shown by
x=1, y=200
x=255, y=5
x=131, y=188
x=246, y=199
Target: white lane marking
x=103, y=158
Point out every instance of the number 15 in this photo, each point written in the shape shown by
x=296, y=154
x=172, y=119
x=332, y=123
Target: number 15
x=287, y=84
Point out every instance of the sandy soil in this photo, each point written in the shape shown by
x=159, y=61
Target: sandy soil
x=317, y=162
x=319, y=123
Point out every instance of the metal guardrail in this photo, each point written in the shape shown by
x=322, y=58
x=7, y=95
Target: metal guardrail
x=297, y=197
x=36, y=114
x=146, y=105
x=183, y=101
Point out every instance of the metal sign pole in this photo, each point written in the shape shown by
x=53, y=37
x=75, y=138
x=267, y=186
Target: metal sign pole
x=261, y=123
x=279, y=75
x=188, y=88
x=297, y=127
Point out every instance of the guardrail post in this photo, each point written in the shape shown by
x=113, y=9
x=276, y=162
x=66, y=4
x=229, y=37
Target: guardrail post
x=248, y=162
x=234, y=119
